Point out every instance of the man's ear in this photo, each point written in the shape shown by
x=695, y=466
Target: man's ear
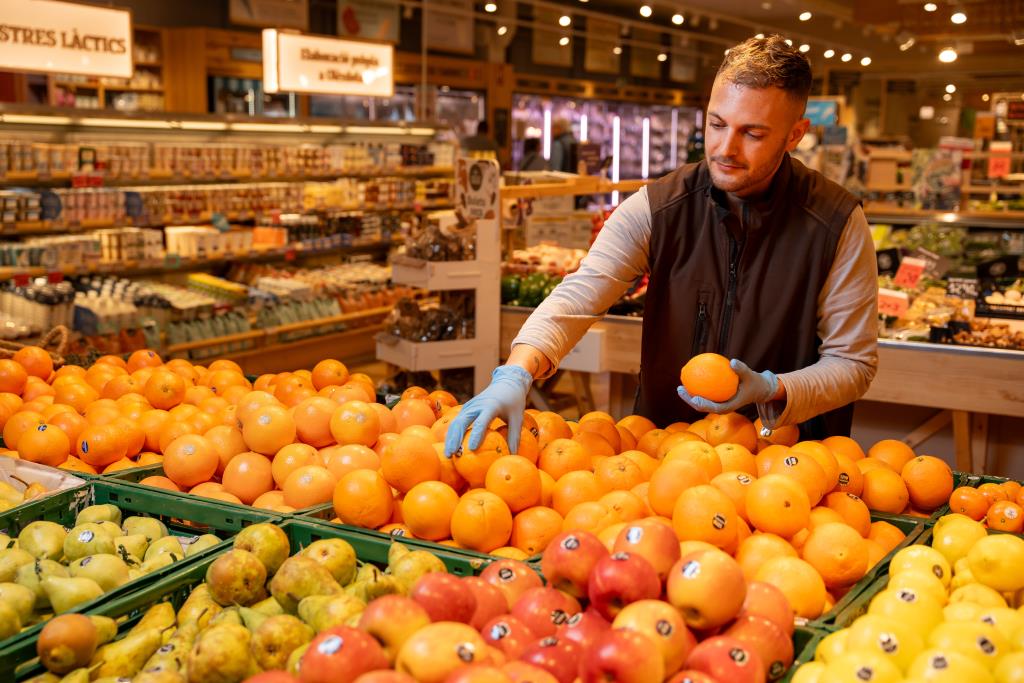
x=797, y=133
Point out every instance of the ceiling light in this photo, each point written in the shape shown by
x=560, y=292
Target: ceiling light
x=563, y=41
x=502, y=30
x=646, y=11
x=564, y=20
x=947, y=55
x=951, y=88
x=677, y=19
x=930, y=7
x=907, y=43
x=926, y=113
x=760, y=36
x=727, y=51
x=490, y=7
x=958, y=17
x=788, y=42
x=985, y=97
x=805, y=48
x=616, y=50
x=830, y=53
x=846, y=57
x=662, y=57
x=805, y=16
x=865, y=61
x=947, y=97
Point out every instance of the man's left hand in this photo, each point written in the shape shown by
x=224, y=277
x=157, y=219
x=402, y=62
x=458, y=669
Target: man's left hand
x=754, y=387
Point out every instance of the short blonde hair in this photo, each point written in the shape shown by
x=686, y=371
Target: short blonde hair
x=768, y=63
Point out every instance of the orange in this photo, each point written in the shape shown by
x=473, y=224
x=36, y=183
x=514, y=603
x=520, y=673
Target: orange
x=269, y=429
x=736, y=458
x=182, y=367
x=730, y=428
x=637, y=425
x=755, y=550
x=190, y=460
x=248, y=476
x=269, y=500
x=481, y=521
x=1003, y=515
x=703, y=513
x=574, y=488
x=838, y=553
x=700, y=428
x=650, y=441
x=768, y=456
x=78, y=395
x=46, y=445
x=804, y=470
x=354, y=422
x=865, y=465
x=183, y=412
x=292, y=390
x=515, y=480
x=160, y=482
x=885, y=491
x=363, y=498
x=597, y=415
x=308, y=485
x=562, y=456
x=886, y=535
x=134, y=437
x=290, y=458
x=734, y=485
x=36, y=388
x=852, y=509
x=993, y=492
x=101, y=412
x=152, y=422
x=1011, y=487
x=119, y=386
x=892, y=453
x=12, y=376
x=143, y=358
x=313, y=421
x=700, y=454
x=387, y=420
x=69, y=422
x=207, y=489
x=341, y=460
x=533, y=529
x=164, y=389
x=253, y=401
x=673, y=440
x=547, y=488
x=670, y=480
x=551, y=426
x=619, y=473
x=799, y=582
x=118, y=465
x=409, y=461
x=590, y=516
x=604, y=429
x=627, y=441
x=646, y=463
x=440, y=401
x=825, y=459
x=227, y=442
x=625, y=505
x=100, y=445
x=823, y=515
x=844, y=445
x=851, y=479
x=787, y=435
x=929, y=482
x=876, y=553
x=148, y=458
x=224, y=364
x=969, y=501
x=594, y=445
x=194, y=395
x=412, y=411
x=778, y=504
x=708, y=375
x=427, y=510
x=682, y=427
x=35, y=361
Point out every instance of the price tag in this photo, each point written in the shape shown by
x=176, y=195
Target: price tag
x=962, y=287
x=55, y=278
x=220, y=221
x=892, y=303
x=935, y=265
x=910, y=271
x=21, y=280
x=289, y=255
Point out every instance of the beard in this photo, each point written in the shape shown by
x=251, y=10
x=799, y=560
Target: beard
x=739, y=181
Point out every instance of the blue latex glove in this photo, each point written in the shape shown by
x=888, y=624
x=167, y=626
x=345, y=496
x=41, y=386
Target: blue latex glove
x=504, y=397
x=755, y=387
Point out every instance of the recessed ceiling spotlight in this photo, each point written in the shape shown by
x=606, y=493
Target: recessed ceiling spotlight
x=662, y=57
x=830, y=53
x=646, y=11
x=948, y=55
x=930, y=7
x=678, y=19
x=805, y=48
x=985, y=97
x=947, y=97
x=563, y=41
x=616, y=50
x=490, y=7
x=865, y=61
x=502, y=30
x=951, y=88
x=907, y=42
x=846, y=57
x=759, y=36
x=788, y=42
x=958, y=17
x=564, y=20
x=805, y=16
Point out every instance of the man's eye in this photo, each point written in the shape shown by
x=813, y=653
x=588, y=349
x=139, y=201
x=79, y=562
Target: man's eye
x=718, y=125
x=754, y=137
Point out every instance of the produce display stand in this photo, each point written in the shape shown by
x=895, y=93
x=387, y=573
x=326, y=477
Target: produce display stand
x=805, y=644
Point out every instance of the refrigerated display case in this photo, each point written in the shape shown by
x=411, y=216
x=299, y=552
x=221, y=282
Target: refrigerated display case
x=460, y=110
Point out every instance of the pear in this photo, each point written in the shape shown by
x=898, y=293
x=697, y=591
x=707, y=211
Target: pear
x=322, y=612
x=6, y=541
x=200, y=544
x=77, y=676
x=275, y=638
x=199, y=607
x=221, y=655
x=295, y=658
x=10, y=621
x=47, y=678
x=251, y=619
x=160, y=615
x=167, y=544
x=267, y=542
x=160, y=676
x=110, y=529
x=367, y=591
x=66, y=593
x=32, y=575
x=236, y=578
x=106, y=629
x=109, y=571
x=87, y=539
x=228, y=615
x=337, y=555
x=396, y=551
x=43, y=540
x=410, y=567
x=151, y=528
x=158, y=562
x=135, y=545
x=21, y=598
x=66, y=643
x=269, y=607
x=171, y=655
x=9, y=494
x=368, y=572
x=99, y=513
x=10, y=560
x=126, y=656
x=299, y=577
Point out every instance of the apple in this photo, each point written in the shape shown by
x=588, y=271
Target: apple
x=583, y=628
x=664, y=625
x=444, y=597
x=511, y=577
x=437, y=650
x=707, y=587
x=391, y=619
x=340, y=655
x=623, y=656
x=691, y=676
x=618, y=579
x=478, y=673
x=768, y=640
x=544, y=609
x=768, y=601
x=272, y=677
x=508, y=634
x=490, y=601
x=556, y=656
x=654, y=541
x=568, y=559
x=521, y=672
x=727, y=659
x=385, y=677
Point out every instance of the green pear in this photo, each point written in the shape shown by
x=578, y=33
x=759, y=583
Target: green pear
x=171, y=655
x=337, y=555
x=6, y=541
x=160, y=676
x=126, y=656
x=32, y=576
x=110, y=529
x=367, y=591
x=87, y=539
x=167, y=544
x=134, y=545
x=228, y=615
x=267, y=542
x=43, y=540
x=221, y=655
x=294, y=658
x=200, y=544
x=198, y=612
x=77, y=676
x=269, y=607
x=275, y=638
x=368, y=572
x=10, y=621
x=106, y=629
x=299, y=577
x=321, y=612
x=151, y=528
x=49, y=678
x=10, y=494
x=410, y=567
x=109, y=571
x=67, y=593
x=251, y=619
x=10, y=560
x=21, y=598
x=160, y=615
x=158, y=562
x=99, y=513
x=396, y=551
x=237, y=578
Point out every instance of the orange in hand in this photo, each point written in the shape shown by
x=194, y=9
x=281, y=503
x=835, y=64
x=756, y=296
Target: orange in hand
x=709, y=376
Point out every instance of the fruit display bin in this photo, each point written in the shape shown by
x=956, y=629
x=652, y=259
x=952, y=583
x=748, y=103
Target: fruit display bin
x=805, y=643
x=18, y=661
x=181, y=516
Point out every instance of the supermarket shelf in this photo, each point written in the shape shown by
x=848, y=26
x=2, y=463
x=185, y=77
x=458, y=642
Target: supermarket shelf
x=992, y=189
x=436, y=275
x=353, y=345
x=981, y=219
x=581, y=185
x=422, y=356
x=166, y=177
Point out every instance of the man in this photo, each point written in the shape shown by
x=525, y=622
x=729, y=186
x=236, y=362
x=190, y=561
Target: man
x=562, y=141
x=750, y=254
x=482, y=141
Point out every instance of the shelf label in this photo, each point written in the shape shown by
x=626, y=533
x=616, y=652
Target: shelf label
x=133, y=204
x=49, y=205
x=935, y=265
x=910, y=271
x=962, y=287
x=892, y=303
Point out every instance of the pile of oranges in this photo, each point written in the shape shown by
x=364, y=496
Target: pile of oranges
x=998, y=506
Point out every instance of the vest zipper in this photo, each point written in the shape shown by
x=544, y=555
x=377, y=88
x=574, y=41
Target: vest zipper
x=700, y=335
x=735, y=248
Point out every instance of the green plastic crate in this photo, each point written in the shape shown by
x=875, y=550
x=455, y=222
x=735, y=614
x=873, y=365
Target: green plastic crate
x=182, y=518
x=805, y=643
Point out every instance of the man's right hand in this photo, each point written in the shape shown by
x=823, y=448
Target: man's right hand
x=504, y=397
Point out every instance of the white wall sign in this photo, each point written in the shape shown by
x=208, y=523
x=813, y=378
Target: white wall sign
x=293, y=62
x=65, y=37
x=270, y=13
x=369, y=20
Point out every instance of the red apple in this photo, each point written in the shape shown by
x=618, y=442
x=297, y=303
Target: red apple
x=619, y=579
x=583, y=628
x=508, y=634
x=272, y=677
x=391, y=619
x=543, y=610
x=727, y=659
x=768, y=601
x=490, y=601
x=568, y=559
x=478, y=673
x=340, y=655
x=444, y=597
x=664, y=625
x=556, y=656
x=691, y=676
x=511, y=577
x=768, y=640
x=385, y=677
x=437, y=650
x=655, y=541
x=623, y=656
x=521, y=672
x=708, y=587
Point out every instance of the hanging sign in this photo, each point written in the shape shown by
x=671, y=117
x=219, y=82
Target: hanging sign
x=65, y=37
x=368, y=20
x=293, y=62
x=264, y=13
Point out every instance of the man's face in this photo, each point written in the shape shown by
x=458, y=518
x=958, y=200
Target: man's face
x=747, y=133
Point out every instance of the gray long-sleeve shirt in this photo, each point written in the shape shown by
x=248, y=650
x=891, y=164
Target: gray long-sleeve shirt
x=847, y=310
